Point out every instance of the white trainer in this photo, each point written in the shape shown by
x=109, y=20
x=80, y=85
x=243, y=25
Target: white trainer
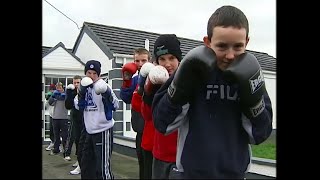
x=75, y=164
x=67, y=158
x=76, y=171
x=50, y=147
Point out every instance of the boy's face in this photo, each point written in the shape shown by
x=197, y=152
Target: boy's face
x=227, y=43
x=59, y=88
x=169, y=61
x=93, y=75
x=140, y=59
x=76, y=83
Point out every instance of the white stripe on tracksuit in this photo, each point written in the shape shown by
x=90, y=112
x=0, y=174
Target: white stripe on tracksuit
x=106, y=154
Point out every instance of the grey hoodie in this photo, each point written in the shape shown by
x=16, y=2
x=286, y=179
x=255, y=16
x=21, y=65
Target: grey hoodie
x=59, y=110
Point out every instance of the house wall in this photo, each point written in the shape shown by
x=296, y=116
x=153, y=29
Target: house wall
x=57, y=64
x=122, y=116
x=60, y=59
x=65, y=72
x=88, y=49
x=65, y=76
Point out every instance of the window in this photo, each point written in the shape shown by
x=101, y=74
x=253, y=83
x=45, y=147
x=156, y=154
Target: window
x=69, y=81
x=53, y=80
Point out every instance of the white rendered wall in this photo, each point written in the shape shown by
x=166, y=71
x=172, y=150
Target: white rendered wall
x=88, y=50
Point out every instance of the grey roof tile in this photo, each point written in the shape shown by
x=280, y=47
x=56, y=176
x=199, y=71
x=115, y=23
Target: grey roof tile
x=46, y=49
x=124, y=41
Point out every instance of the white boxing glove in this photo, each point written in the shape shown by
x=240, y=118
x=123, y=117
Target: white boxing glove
x=100, y=86
x=84, y=84
x=86, y=81
x=145, y=69
x=158, y=75
x=70, y=86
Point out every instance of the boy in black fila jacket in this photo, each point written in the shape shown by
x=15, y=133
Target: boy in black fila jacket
x=218, y=101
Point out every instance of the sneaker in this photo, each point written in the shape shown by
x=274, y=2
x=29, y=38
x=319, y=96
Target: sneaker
x=53, y=153
x=76, y=171
x=67, y=158
x=49, y=148
x=75, y=164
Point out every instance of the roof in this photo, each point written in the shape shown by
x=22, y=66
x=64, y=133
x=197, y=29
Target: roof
x=266, y=61
x=124, y=41
x=47, y=50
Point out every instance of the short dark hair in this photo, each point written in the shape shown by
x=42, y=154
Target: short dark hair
x=77, y=77
x=142, y=51
x=226, y=16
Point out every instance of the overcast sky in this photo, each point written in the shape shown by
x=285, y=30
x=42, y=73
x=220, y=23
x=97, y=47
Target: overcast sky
x=185, y=18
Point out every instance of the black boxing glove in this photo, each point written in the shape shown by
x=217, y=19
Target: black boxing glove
x=246, y=71
x=194, y=68
x=70, y=90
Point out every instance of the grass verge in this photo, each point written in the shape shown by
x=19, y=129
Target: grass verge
x=266, y=149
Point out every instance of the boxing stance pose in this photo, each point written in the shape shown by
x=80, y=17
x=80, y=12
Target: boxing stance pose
x=59, y=117
x=218, y=101
x=76, y=125
x=162, y=148
x=97, y=101
x=131, y=93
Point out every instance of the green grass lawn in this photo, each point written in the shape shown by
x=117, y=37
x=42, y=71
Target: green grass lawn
x=266, y=149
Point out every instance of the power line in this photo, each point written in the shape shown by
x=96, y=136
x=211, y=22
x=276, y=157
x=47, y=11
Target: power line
x=63, y=14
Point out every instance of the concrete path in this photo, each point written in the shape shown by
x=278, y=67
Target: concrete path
x=55, y=167
x=123, y=167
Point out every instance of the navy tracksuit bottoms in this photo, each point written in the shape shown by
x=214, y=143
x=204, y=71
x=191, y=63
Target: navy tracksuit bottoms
x=96, y=156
